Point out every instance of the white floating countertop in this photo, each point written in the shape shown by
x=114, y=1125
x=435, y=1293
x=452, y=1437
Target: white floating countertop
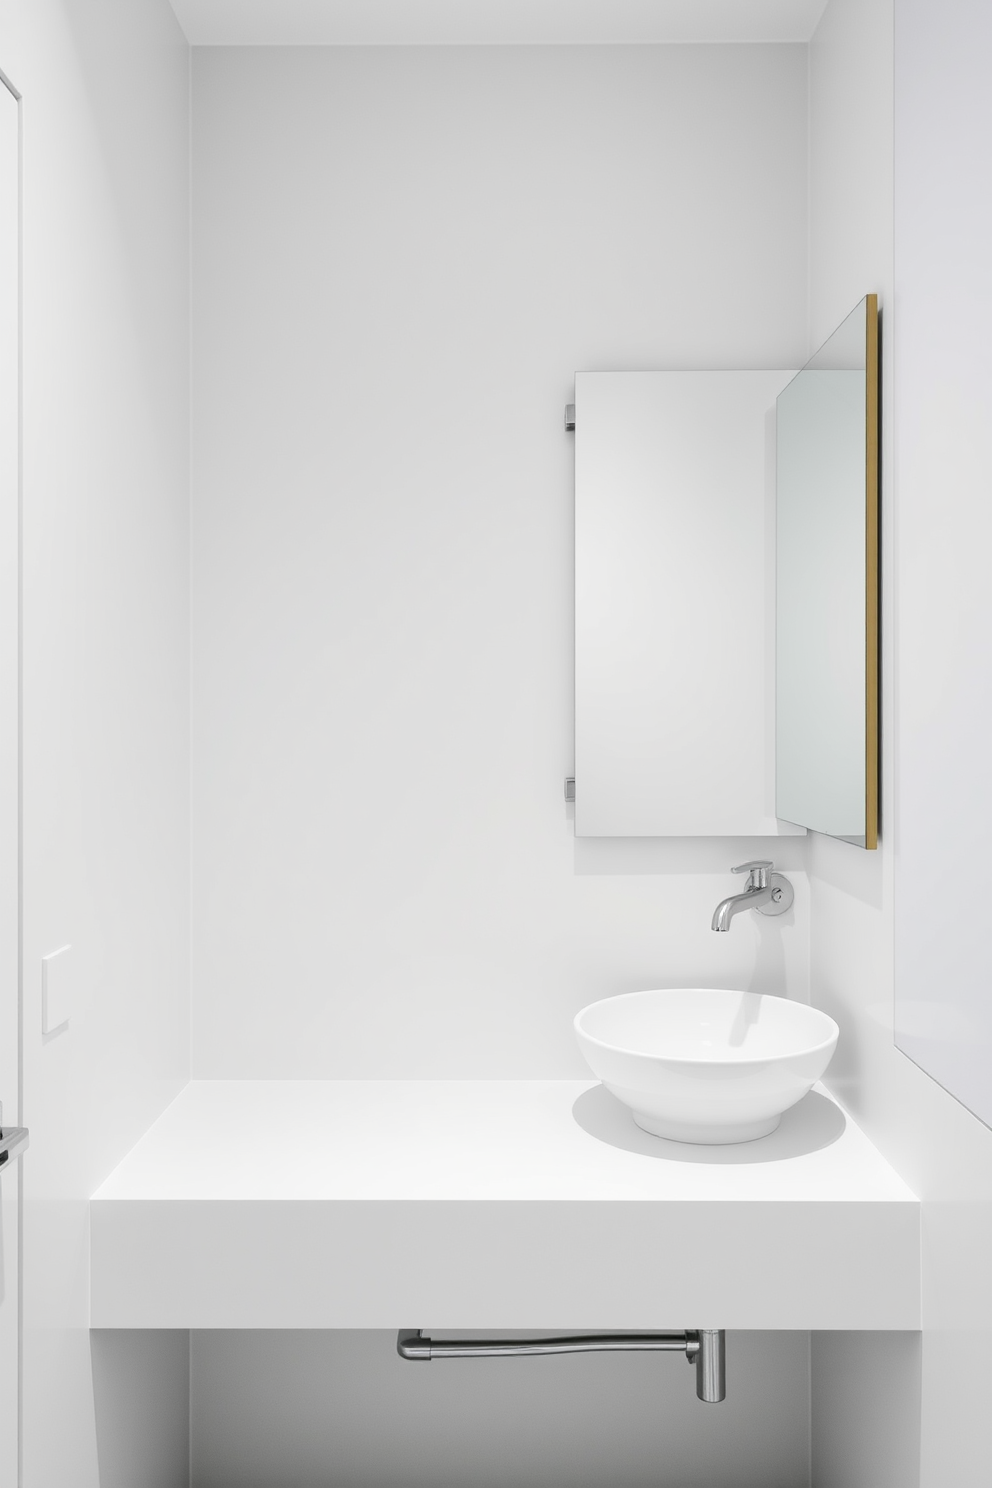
x=492, y=1204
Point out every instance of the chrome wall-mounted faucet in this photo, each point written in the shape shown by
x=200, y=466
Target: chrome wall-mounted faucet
x=766, y=891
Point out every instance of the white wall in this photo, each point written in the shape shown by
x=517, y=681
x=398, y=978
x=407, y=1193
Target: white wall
x=105, y=665
x=141, y=1391
x=401, y=258
x=865, y=1393
x=315, y=1408
x=940, y=1149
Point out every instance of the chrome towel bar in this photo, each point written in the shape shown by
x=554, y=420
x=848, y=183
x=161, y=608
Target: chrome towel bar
x=704, y=1347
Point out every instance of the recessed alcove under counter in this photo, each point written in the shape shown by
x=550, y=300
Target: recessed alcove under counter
x=494, y=1204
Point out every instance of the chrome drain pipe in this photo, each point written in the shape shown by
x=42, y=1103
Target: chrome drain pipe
x=711, y=1365
x=704, y=1347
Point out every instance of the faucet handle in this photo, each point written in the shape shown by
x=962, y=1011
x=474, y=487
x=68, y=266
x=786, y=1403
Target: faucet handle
x=758, y=869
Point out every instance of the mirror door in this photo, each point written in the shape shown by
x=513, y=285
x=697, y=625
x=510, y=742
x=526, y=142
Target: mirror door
x=674, y=604
x=826, y=747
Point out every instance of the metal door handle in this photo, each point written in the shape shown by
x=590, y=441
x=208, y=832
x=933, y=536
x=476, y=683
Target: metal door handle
x=13, y=1141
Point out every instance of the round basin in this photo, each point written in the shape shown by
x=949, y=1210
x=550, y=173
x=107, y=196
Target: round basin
x=701, y=1064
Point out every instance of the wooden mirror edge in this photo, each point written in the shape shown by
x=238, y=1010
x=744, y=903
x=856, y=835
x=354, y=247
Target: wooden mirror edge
x=871, y=572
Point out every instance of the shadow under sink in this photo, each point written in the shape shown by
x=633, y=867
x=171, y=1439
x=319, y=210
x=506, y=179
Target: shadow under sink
x=813, y=1123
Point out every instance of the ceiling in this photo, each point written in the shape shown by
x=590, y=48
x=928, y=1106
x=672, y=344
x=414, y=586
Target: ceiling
x=475, y=22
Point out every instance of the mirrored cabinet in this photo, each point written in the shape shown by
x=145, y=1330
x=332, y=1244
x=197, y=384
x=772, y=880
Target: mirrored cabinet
x=726, y=597
x=826, y=655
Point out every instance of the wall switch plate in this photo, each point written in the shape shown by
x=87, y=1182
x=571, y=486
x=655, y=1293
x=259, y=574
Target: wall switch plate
x=56, y=989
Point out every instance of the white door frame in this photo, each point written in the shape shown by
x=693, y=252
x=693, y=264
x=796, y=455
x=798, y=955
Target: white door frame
x=11, y=1041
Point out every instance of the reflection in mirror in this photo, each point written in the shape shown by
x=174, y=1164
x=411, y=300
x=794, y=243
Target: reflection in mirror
x=827, y=587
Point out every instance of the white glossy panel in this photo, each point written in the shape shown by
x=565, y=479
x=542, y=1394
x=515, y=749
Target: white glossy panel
x=943, y=458
x=943, y=1150
x=944, y=464
x=363, y=1202
x=674, y=603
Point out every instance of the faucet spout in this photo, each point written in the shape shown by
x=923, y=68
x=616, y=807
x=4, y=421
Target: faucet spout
x=767, y=892
x=750, y=899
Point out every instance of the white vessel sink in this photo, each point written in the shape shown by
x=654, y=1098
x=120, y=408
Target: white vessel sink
x=701, y=1064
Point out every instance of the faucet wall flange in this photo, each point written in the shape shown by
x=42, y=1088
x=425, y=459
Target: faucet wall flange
x=783, y=895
